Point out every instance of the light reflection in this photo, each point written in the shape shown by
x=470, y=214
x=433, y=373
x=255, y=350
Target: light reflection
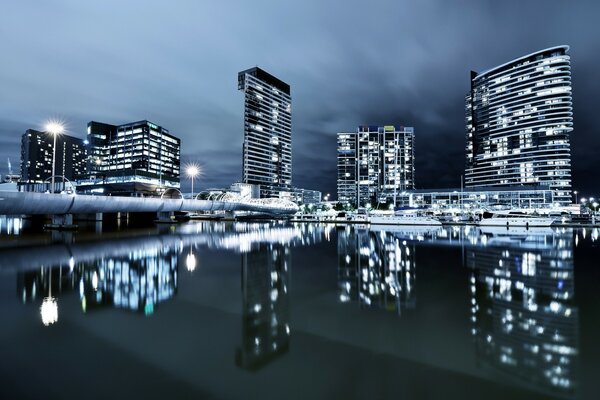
x=375, y=269
x=190, y=261
x=525, y=323
x=265, y=313
x=49, y=311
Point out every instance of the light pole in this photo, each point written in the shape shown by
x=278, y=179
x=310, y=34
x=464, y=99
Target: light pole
x=192, y=171
x=575, y=192
x=55, y=129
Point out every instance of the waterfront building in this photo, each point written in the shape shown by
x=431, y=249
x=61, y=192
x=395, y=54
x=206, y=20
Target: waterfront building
x=519, y=117
x=138, y=157
x=245, y=190
x=534, y=197
x=375, y=163
x=36, y=159
x=306, y=196
x=267, y=151
x=309, y=196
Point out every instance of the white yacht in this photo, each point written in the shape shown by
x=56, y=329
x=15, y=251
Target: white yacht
x=403, y=220
x=513, y=219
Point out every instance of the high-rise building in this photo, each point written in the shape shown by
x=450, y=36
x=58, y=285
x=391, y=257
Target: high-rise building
x=36, y=158
x=267, y=158
x=519, y=117
x=135, y=157
x=375, y=164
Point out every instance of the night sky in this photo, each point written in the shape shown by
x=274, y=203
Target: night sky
x=348, y=63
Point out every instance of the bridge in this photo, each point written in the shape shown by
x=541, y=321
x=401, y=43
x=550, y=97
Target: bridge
x=63, y=206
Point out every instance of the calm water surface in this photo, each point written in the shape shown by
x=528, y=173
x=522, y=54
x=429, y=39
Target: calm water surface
x=286, y=311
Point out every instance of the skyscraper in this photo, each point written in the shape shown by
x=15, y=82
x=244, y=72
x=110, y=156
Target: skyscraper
x=519, y=117
x=267, y=158
x=136, y=157
x=36, y=158
x=374, y=164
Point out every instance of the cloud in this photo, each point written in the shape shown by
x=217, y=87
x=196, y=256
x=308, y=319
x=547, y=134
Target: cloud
x=348, y=63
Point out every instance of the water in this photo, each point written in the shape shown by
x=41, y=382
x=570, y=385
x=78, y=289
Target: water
x=277, y=310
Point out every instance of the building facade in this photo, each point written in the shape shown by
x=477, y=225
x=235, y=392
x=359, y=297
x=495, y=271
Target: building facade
x=519, y=117
x=136, y=157
x=533, y=197
x=375, y=164
x=267, y=152
x=36, y=159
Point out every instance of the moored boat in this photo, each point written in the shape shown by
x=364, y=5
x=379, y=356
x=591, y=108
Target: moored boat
x=516, y=219
x=403, y=220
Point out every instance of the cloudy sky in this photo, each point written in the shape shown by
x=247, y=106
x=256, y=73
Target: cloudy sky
x=348, y=63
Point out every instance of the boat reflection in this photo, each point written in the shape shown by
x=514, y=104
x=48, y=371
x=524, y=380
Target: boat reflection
x=266, y=307
x=375, y=269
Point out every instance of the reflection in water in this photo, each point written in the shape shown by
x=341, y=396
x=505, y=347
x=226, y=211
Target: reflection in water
x=138, y=281
x=265, y=314
x=524, y=320
x=376, y=269
x=139, y=272
x=10, y=225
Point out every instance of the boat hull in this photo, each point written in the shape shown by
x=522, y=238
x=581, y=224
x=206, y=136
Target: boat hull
x=420, y=221
x=518, y=222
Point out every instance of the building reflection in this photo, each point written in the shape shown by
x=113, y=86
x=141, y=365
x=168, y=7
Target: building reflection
x=524, y=319
x=266, y=308
x=137, y=282
x=138, y=273
x=375, y=269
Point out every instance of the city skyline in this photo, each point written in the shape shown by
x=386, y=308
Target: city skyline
x=338, y=82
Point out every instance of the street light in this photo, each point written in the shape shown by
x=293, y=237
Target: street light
x=55, y=128
x=575, y=192
x=192, y=171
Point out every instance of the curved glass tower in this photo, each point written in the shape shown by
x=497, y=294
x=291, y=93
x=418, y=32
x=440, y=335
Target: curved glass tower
x=519, y=117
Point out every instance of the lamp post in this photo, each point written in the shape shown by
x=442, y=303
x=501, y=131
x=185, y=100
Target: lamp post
x=192, y=171
x=55, y=129
x=575, y=192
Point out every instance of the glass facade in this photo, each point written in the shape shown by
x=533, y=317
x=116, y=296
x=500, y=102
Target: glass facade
x=375, y=164
x=36, y=158
x=137, y=152
x=504, y=198
x=267, y=159
x=519, y=117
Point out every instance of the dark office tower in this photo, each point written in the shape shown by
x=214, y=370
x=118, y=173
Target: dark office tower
x=375, y=164
x=519, y=117
x=139, y=157
x=36, y=158
x=267, y=132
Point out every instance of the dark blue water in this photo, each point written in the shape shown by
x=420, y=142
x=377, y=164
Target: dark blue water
x=275, y=310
